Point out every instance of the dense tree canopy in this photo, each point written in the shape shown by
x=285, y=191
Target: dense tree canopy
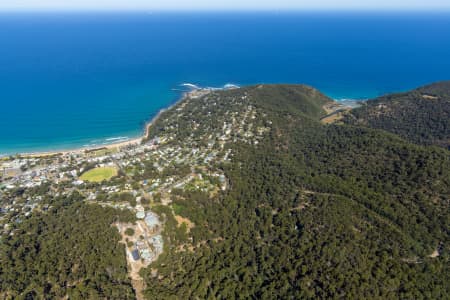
x=70, y=250
x=311, y=211
x=316, y=211
x=421, y=116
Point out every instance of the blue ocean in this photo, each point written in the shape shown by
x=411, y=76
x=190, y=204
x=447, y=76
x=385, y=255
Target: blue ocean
x=71, y=80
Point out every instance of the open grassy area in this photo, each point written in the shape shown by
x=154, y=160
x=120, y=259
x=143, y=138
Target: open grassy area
x=99, y=174
x=101, y=152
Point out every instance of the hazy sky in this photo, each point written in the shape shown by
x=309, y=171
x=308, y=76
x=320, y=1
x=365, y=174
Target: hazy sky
x=221, y=4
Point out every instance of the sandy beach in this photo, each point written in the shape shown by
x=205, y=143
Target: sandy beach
x=135, y=141
x=116, y=145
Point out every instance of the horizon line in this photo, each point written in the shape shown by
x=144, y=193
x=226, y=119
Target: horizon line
x=228, y=10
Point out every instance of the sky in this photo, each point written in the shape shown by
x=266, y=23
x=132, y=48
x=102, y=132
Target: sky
x=153, y=5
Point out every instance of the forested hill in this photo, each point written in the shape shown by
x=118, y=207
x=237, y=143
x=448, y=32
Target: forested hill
x=421, y=116
x=313, y=210
x=258, y=199
x=299, y=99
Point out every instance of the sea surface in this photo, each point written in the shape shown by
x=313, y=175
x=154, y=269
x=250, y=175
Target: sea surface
x=80, y=79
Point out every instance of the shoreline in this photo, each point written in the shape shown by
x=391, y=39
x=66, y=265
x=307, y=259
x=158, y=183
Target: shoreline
x=134, y=141
x=194, y=92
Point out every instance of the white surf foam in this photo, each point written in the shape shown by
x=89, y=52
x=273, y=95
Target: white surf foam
x=191, y=86
x=231, y=86
x=227, y=86
x=350, y=102
x=119, y=138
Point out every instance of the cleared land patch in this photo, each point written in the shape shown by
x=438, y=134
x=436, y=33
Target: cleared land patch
x=99, y=174
x=335, y=112
x=335, y=116
x=181, y=220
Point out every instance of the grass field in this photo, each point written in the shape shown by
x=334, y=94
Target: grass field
x=102, y=152
x=99, y=174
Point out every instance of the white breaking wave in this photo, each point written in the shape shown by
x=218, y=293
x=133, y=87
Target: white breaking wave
x=191, y=86
x=351, y=99
x=117, y=138
x=352, y=103
x=90, y=145
x=227, y=86
x=107, y=141
x=231, y=86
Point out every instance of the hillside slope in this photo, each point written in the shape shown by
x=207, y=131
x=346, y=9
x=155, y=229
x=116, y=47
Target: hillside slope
x=421, y=116
x=314, y=211
x=258, y=199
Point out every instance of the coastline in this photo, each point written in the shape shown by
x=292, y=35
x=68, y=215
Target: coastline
x=135, y=141
x=194, y=92
x=113, y=145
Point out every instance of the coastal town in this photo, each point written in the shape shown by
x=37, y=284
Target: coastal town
x=165, y=150
x=218, y=188
x=177, y=153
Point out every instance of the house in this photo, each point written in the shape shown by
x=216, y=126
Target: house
x=157, y=242
x=140, y=214
x=146, y=254
x=135, y=254
x=151, y=220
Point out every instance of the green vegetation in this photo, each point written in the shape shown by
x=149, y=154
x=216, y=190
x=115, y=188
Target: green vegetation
x=99, y=174
x=358, y=210
x=315, y=211
x=421, y=116
x=178, y=208
x=101, y=151
x=129, y=231
x=70, y=250
x=123, y=197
